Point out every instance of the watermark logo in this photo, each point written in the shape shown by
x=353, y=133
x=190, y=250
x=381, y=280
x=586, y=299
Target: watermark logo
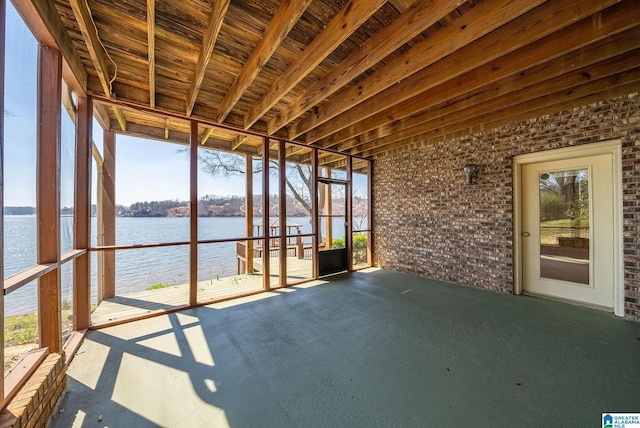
x=621, y=420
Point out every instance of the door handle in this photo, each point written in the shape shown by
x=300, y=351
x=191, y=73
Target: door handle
x=526, y=234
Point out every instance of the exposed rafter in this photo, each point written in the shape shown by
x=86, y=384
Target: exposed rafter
x=354, y=14
x=94, y=45
x=151, y=47
x=205, y=136
x=539, y=22
x=120, y=117
x=101, y=115
x=625, y=83
x=279, y=27
x=352, y=76
x=580, y=34
x=546, y=78
x=413, y=21
x=206, y=50
x=97, y=51
x=237, y=142
x=482, y=19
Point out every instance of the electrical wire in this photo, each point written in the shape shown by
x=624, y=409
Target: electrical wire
x=115, y=73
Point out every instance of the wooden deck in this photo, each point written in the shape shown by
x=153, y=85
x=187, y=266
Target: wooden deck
x=141, y=303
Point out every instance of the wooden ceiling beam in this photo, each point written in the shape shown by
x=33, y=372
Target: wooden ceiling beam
x=237, y=142
x=463, y=129
x=509, y=93
x=44, y=22
x=206, y=50
x=205, y=136
x=612, y=87
x=122, y=121
x=96, y=49
x=182, y=138
x=282, y=22
x=612, y=37
x=348, y=20
x=101, y=115
x=469, y=53
x=420, y=16
x=137, y=99
x=460, y=122
x=475, y=23
x=151, y=48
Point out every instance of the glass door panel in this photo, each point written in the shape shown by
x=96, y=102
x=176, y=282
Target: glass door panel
x=332, y=227
x=564, y=225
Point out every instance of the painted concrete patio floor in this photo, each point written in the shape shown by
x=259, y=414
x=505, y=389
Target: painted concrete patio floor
x=374, y=348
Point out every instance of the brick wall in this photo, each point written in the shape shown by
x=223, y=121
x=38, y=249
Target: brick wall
x=36, y=401
x=429, y=222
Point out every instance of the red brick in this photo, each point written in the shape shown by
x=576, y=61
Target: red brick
x=429, y=222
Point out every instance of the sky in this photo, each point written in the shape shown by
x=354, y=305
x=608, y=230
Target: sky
x=146, y=170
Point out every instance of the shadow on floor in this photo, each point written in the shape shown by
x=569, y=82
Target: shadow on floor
x=369, y=349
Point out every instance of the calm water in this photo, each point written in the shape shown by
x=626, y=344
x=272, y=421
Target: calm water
x=135, y=269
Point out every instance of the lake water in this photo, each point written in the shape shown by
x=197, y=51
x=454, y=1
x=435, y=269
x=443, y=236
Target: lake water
x=136, y=269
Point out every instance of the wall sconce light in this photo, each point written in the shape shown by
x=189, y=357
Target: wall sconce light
x=471, y=172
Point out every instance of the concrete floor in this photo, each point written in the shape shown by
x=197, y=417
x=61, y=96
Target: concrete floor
x=374, y=349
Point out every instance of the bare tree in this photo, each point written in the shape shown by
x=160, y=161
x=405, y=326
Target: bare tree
x=297, y=176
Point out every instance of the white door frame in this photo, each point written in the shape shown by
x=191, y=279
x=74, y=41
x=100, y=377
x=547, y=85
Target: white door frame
x=613, y=147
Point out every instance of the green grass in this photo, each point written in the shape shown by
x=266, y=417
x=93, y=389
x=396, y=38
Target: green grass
x=158, y=286
x=20, y=329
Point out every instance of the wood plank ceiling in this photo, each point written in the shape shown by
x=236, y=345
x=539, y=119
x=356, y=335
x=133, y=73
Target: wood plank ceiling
x=359, y=76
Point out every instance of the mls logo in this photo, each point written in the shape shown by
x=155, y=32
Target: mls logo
x=607, y=421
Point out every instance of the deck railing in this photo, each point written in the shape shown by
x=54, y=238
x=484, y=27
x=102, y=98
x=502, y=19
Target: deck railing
x=295, y=248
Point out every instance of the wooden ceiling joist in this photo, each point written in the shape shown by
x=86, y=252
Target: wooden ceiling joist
x=237, y=142
x=151, y=47
x=96, y=49
x=589, y=44
x=350, y=17
x=122, y=121
x=405, y=27
x=508, y=94
x=474, y=52
x=101, y=115
x=205, y=136
x=489, y=118
x=352, y=76
x=208, y=43
x=98, y=53
x=477, y=22
x=282, y=22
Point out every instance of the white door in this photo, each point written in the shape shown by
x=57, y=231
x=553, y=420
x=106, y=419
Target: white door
x=568, y=229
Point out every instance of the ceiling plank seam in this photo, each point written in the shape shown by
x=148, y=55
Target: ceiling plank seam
x=348, y=20
x=208, y=43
